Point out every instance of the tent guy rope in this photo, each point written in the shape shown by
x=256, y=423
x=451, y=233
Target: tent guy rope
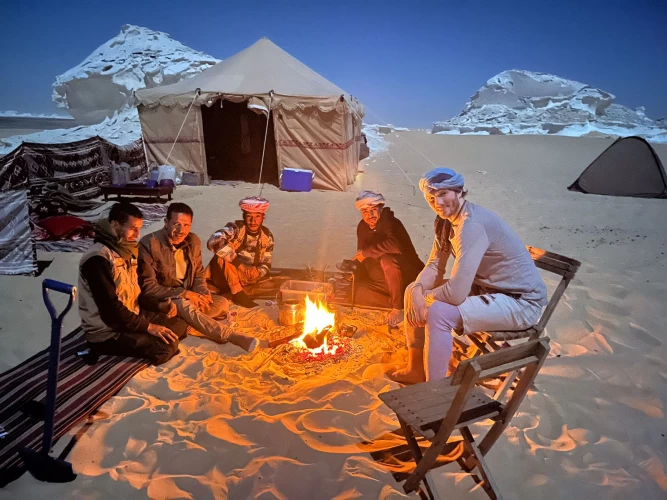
x=266, y=131
x=394, y=160
x=166, y=162
x=402, y=138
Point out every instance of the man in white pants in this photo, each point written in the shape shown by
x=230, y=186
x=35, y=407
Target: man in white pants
x=490, y=261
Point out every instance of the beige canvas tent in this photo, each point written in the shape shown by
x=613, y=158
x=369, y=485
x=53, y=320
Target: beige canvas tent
x=215, y=123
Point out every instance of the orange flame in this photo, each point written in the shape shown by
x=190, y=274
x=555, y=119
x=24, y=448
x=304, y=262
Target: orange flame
x=317, y=317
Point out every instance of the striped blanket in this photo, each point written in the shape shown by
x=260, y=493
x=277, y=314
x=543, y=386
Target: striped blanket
x=82, y=389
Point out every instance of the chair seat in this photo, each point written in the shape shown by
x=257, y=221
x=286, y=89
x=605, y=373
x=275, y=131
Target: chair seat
x=423, y=406
x=512, y=335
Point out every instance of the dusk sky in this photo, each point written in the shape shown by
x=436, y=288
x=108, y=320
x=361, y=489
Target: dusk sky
x=412, y=63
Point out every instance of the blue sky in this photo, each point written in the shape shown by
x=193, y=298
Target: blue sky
x=410, y=62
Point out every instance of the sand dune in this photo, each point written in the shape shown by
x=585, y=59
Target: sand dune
x=207, y=425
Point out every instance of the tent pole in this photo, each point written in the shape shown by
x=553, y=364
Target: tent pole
x=143, y=143
x=266, y=132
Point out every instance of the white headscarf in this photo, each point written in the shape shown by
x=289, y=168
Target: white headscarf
x=367, y=199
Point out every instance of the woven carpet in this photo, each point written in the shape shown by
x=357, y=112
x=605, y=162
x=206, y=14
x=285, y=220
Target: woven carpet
x=82, y=389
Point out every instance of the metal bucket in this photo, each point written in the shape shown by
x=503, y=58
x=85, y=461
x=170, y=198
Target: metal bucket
x=292, y=312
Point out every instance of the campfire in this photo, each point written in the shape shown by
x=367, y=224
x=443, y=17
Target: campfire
x=320, y=338
x=317, y=340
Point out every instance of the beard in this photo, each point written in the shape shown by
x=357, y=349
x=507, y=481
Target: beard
x=448, y=209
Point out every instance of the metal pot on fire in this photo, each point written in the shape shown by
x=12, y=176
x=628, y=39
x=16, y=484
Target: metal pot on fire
x=292, y=312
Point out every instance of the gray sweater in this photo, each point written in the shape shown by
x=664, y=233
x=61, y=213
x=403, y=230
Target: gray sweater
x=487, y=253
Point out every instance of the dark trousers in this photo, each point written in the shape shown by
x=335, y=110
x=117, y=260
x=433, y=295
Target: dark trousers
x=379, y=282
x=144, y=345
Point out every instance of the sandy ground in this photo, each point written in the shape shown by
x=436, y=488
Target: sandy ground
x=207, y=425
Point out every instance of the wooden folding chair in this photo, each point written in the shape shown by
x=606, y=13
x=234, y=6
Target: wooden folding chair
x=435, y=409
x=485, y=342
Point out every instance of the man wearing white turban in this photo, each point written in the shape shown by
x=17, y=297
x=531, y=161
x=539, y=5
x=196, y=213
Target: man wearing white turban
x=387, y=257
x=493, y=284
x=243, y=251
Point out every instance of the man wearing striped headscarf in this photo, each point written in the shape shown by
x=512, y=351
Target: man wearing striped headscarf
x=493, y=284
x=243, y=251
x=387, y=258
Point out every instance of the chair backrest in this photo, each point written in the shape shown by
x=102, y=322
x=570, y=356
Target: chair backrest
x=557, y=264
x=528, y=356
x=503, y=361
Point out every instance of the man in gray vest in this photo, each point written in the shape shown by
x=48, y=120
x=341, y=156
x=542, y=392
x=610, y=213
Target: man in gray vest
x=111, y=317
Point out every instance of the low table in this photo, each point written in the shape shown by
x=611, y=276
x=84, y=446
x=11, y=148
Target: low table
x=120, y=191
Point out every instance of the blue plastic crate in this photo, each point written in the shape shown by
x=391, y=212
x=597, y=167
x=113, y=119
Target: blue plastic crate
x=296, y=179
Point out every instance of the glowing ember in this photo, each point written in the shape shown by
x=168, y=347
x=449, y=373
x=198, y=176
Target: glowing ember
x=317, y=319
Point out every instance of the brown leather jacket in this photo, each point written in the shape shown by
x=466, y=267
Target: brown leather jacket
x=157, y=266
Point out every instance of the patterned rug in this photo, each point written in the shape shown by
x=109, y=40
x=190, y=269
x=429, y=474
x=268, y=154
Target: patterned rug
x=81, y=167
x=153, y=212
x=82, y=389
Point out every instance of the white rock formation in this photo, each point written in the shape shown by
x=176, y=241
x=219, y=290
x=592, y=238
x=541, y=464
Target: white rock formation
x=524, y=102
x=137, y=58
x=99, y=90
x=121, y=128
x=377, y=141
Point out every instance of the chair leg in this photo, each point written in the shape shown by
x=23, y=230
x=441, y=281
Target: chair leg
x=505, y=386
x=494, y=345
x=417, y=454
x=480, y=344
x=488, y=483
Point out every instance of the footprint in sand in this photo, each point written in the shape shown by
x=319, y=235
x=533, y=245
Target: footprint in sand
x=192, y=371
x=608, y=301
x=642, y=334
x=605, y=315
x=618, y=291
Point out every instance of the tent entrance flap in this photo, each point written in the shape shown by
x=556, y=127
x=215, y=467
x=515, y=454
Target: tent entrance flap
x=234, y=138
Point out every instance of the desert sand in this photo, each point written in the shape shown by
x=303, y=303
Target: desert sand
x=207, y=425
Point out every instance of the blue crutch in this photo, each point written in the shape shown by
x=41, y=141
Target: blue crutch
x=41, y=465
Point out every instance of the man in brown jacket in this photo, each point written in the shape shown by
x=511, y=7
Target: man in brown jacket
x=170, y=267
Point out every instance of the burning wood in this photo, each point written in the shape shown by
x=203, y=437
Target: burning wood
x=294, y=332
x=317, y=327
x=316, y=339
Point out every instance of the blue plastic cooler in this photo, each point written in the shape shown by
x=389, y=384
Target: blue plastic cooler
x=296, y=179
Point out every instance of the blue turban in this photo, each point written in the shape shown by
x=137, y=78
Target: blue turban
x=440, y=178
